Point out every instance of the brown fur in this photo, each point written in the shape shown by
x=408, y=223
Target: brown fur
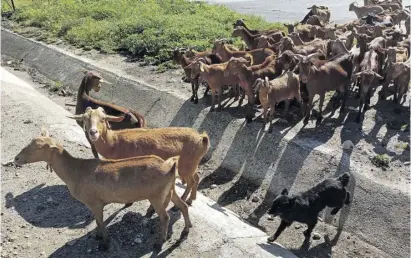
x=97, y=182
x=257, y=56
x=185, y=142
x=92, y=81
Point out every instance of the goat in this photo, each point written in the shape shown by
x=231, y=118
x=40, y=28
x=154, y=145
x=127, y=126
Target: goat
x=266, y=42
x=333, y=75
x=401, y=76
x=364, y=10
x=250, y=39
x=369, y=72
x=282, y=88
x=322, y=12
x=247, y=75
x=187, y=143
x=92, y=81
x=214, y=76
x=240, y=22
x=303, y=30
x=256, y=56
x=299, y=42
x=347, y=37
x=306, y=206
x=96, y=182
x=315, y=46
x=317, y=32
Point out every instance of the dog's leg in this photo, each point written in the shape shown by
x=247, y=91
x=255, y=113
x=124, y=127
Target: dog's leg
x=283, y=225
x=309, y=230
x=335, y=210
x=347, y=198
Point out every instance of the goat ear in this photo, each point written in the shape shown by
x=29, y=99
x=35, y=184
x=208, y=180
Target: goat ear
x=284, y=191
x=114, y=118
x=379, y=77
x=44, y=132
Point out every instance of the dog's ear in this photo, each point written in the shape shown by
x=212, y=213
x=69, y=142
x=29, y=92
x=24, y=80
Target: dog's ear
x=284, y=191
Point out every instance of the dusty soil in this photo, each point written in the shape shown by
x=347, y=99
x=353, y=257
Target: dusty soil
x=382, y=132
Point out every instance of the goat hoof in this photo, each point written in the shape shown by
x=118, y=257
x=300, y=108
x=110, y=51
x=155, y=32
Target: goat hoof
x=192, y=99
x=104, y=246
x=271, y=239
x=189, y=202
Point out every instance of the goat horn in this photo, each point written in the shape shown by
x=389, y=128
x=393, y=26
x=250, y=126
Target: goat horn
x=104, y=81
x=314, y=55
x=114, y=118
x=76, y=117
x=299, y=57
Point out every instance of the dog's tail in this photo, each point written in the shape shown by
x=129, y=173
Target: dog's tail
x=344, y=179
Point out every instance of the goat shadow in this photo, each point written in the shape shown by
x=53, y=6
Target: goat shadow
x=50, y=207
x=123, y=239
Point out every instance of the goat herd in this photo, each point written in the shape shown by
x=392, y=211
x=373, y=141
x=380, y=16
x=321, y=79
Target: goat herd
x=313, y=59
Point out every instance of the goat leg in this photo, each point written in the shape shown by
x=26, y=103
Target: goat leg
x=309, y=230
x=213, y=93
x=310, y=107
x=220, y=94
x=196, y=85
x=193, y=193
x=320, y=108
x=192, y=91
x=184, y=210
x=158, y=205
x=272, y=111
x=97, y=210
x=280, y=229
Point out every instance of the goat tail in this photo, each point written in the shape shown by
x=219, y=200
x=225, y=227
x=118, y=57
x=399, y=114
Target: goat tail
x=140, y=118
x=205, y=139
x=344, y=179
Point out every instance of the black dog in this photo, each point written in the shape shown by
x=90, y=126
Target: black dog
x=306, y=206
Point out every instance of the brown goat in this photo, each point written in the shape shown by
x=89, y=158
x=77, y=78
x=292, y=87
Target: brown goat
x=369, y=74
x=187, y=143
x=283, y=88
x=96, y=182
x=288, y=44
x=333, y=75
x=92, y=81
x=256, y=56
x=401, y=76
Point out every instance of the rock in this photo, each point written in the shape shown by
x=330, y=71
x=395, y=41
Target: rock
x=50, y=199
x=270, y=218
x=213, y=186
x=347, y=145
x=71, y=243
x=43, y=253
x=88, y=250
x=26, y=236
x=297, y=226
x=28, y=121
x=9, y=62
x=255, y=199
x=12, y=238
x=138, y=240
x=316, y=236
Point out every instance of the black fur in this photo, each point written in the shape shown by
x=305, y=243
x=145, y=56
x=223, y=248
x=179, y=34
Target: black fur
x=306, y=206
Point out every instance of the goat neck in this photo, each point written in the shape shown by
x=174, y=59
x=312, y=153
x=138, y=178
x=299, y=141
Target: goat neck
x=82, y=95
x=66, y=166
x=105, y=142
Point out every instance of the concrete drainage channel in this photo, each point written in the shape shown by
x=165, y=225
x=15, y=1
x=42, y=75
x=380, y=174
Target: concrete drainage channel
x=285, y=159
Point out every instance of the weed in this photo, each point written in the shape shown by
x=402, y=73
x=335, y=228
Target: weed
x=145, y=29
x=56, y=86
x=402, y=145
x=381, y=160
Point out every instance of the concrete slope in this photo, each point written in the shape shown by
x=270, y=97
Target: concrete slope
x=291, y=157
x=216, y=232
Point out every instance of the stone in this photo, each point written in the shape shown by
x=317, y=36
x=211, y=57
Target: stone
x=50, y=199
x=138, y=240
x=255, y=199
x=297, y=226
x=270, y=218
x=316, y=236
x=213, y=186
x=88, y=250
